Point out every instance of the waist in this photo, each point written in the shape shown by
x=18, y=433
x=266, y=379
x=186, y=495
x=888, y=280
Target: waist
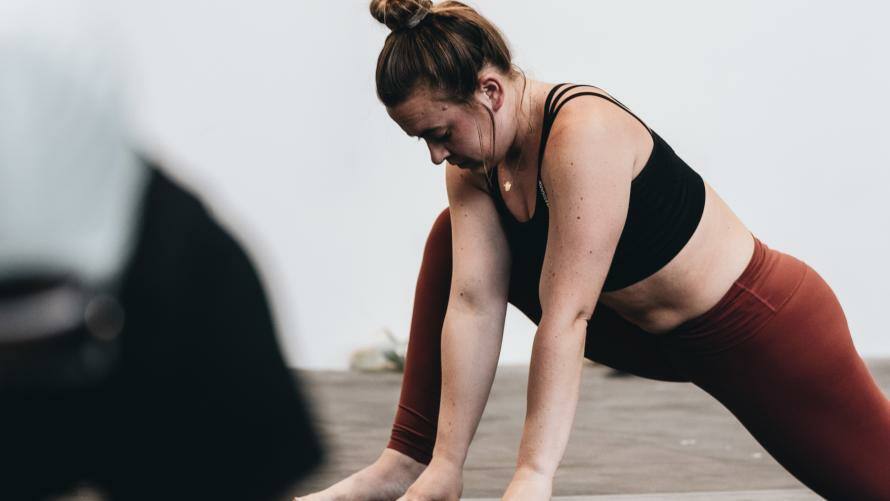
x=715, y=256
x=767, y=283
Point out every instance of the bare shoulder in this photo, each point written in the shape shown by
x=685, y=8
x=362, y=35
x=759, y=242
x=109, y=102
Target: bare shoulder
x=598, y=123
x=595, y=112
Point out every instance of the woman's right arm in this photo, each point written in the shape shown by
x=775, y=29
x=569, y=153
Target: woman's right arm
x=471, y=333
x=474, y=320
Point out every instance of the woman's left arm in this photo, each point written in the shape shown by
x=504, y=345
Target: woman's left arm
x=589, y=169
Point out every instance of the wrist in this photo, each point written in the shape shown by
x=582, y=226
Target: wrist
x=529, y=484
x=529, y=471
x=446, y=462
x=445, y=457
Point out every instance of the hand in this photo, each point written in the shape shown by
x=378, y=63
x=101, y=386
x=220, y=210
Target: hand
x=529, y=485
x=440, y=481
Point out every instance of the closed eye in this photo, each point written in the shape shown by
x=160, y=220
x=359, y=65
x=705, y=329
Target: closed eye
x=436, y=139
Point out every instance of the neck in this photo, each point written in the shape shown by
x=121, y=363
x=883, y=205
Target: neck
x=528, y=113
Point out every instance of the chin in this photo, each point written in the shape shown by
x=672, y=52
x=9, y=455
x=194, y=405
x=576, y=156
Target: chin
x=476, y=169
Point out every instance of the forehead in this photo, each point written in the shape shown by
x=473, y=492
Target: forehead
x=422, y=110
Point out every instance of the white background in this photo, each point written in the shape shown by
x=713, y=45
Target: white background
x=268, y=110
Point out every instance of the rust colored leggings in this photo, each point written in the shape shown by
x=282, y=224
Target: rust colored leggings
x=776, y=351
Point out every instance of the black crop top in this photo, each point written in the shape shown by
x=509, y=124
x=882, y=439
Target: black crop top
x=667, y=199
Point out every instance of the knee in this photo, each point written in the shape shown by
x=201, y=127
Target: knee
x=443, y=219
x=440, y=233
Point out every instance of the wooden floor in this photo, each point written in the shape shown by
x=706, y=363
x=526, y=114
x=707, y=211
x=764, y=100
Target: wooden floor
x=633, y=438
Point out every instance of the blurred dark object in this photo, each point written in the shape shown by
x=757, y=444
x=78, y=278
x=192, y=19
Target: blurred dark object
x=190, y=399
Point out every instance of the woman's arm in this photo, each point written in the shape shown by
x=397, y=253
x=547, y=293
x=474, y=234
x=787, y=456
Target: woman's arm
x=474, y=321
x=589, y=168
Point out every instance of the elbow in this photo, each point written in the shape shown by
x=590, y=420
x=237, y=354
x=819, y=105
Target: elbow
x=576, y=321
x=470, y=299
x=579, y=316
x=582, y=319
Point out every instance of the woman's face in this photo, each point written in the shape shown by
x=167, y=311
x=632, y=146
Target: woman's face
x=458, y=133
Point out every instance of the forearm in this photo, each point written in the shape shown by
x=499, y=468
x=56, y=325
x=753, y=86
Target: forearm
x=553, y=385
x=471, y=344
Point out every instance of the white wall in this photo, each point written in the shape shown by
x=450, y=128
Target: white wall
x=268, y=109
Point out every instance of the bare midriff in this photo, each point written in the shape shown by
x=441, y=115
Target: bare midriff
x=695, y=279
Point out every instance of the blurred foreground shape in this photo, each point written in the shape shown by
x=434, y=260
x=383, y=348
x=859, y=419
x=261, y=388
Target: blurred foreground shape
x=138, y=353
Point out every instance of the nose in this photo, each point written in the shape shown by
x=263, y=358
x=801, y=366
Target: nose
x=438, y=153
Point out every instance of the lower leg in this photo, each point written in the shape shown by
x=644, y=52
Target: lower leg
x=414, y=429
x=413, y=434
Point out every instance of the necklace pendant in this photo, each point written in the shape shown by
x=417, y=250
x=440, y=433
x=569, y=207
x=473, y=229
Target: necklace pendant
x=508, y=185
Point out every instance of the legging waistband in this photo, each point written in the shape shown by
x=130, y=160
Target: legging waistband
x=764, y=287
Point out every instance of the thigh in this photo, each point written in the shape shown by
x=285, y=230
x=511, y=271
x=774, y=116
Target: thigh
x=611, y=340
x=801, y=389
x=620, y=344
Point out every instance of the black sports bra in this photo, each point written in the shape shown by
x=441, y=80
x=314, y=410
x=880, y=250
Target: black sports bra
x=667, y=199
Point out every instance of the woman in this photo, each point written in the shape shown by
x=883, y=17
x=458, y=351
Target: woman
x=565, y=204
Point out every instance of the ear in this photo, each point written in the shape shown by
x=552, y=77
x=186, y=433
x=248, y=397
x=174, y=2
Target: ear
x=491, y=90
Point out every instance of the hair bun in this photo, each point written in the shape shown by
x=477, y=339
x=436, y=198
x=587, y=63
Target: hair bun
x=400, y=14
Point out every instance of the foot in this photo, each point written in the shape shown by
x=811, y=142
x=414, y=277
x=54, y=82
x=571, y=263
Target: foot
x=384, y=480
